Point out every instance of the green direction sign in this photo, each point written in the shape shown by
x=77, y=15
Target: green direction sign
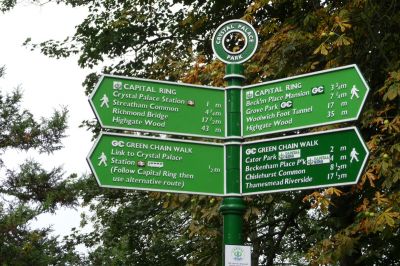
x=331, y=158
x=320, y=98
x=140, y=163
x=156, y=106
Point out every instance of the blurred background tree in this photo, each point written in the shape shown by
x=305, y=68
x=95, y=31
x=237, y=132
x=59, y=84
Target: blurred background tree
x=31, y=190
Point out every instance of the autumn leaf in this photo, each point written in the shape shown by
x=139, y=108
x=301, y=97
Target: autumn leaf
x=380, y=199
x=387, y=217
x=393, y=92
x=373, y=144
x=371, y=178
x=343, y=40
x=312, y=195
x=332, y=191
x=378, y=120
x=366, y=225
x=343, y=20
x=363, y=206
x=183, y=197
x=322, y=49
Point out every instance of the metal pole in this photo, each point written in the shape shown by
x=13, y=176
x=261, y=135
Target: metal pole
x=233, y=207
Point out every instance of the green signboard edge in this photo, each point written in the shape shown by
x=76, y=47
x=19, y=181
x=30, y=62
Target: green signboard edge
x=299, y=136
x=301, y=76
x=155, y=131
x=153, y=138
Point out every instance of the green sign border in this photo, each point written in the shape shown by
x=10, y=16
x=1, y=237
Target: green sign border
x=246, y=52
x=301, y=76
x=299, y=136
x=133, y=128
x=92, y=168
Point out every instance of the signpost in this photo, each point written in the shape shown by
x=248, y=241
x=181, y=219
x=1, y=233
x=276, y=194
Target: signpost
x=319, y=98
x=316, y=160
x=159, y=106
x=234, y=168
x=131, y=162
x=243, y=39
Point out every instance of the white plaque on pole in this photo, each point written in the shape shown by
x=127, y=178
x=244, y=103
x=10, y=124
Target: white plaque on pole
x=237, y=255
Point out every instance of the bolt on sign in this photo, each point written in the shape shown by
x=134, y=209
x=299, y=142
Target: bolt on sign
x=159, y=106
x=155, y=164
x=308, y=161
x=314, y=99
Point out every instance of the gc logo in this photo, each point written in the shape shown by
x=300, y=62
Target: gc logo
x=117, y=85
x=117, y=143
x=287, y=104
x=317, y=90
x=251, y=151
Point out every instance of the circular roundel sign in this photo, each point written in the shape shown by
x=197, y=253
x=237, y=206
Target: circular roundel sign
x=235, y=41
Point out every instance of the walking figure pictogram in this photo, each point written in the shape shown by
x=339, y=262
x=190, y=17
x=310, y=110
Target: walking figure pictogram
x=103, y=159
x=354, y=92
x=104, y=101
x=353, y=155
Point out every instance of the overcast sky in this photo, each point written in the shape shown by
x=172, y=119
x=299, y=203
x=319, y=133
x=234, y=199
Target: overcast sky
x=47, y=84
